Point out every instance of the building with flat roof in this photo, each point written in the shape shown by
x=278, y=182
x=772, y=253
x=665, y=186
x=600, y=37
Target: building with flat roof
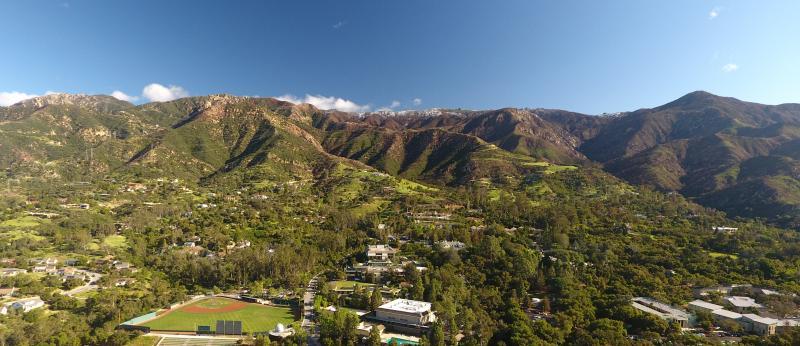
x=455, y=245
x=406, y=311
x=10, y=272
x=24, y=305
x=404, y=316
x=380, y=252
x=725, y=315
x=661, y=310
x=758, y=324
x=741, y=304
x=786, y=325
x=703, y=306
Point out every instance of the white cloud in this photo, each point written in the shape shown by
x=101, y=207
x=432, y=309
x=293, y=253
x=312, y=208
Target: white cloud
x=326, y=102
x=339, y=24
x=119, y=95
x=159, y=93
x=714, y=12
x=8, y=98
x=390, y=107
x=730, y=67
x=417, y=101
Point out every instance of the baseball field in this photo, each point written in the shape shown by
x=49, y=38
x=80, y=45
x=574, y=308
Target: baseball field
x=206, y=312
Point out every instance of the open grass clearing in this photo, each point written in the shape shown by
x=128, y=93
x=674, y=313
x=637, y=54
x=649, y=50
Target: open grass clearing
x=254, y=317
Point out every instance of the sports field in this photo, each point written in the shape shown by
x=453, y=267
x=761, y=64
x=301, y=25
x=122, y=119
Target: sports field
x=206, y=312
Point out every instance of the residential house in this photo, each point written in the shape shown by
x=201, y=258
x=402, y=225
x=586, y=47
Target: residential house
x=723, y=229
x=39, y=269
x=123, y=282
x=724, y=290
x=455, y=245
x=364, y=329
x=135, y=187
x=23, y=305
x=118, y=265
x=7, y=292
x=380, y=252
x=10, y=272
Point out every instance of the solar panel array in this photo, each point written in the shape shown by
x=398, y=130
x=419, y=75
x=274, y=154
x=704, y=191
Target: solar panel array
x=229, y=327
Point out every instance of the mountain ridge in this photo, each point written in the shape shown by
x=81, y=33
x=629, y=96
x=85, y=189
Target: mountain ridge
x=707, y=147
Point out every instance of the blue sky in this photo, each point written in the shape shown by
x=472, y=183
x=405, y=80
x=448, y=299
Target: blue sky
x=586, y=56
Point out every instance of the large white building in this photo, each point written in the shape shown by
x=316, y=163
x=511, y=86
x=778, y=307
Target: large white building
x=749, y=322
x=661, y=310
x=759, y=325
x=406, y=312
x=703, y=306
x=23, y=305
x=741, y=304
x=380, y=252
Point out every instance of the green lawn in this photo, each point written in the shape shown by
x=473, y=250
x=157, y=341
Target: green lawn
x=337, y=285
x=16, y=234
x=24, y=221
x=254, y=317
x=720, y=254
x=408, y=187
x=116, y=242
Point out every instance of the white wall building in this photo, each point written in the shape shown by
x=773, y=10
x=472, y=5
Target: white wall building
x=661, y=310
x=24, y=305
x=405, y=311
x=741, y=304
x=380, y=252
x=699, y=305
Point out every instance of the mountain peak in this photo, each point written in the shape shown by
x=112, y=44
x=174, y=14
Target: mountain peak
x=695, y=97
x=698, y=99
x=70, y=99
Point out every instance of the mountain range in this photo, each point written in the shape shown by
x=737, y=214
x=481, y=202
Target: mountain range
x=739, y=157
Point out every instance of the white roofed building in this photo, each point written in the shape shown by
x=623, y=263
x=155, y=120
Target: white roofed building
x=758, y=324
x=700, y=305
x=741, y=304
x=380, y=252
x=405, y=315
x=787, y=325
x=661, y=310
x=23, y=305
x=725, y=315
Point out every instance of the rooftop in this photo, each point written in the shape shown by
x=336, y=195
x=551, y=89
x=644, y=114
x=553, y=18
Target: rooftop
x=407, y=305
x=760, y=319
x=726, y=313
x=789, y=323
x=705, y=304
x=743, y=302
x=662, y=308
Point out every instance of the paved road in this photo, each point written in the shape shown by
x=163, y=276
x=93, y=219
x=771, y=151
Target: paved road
x=79, y=290
x=308, y=311
x=91, y=285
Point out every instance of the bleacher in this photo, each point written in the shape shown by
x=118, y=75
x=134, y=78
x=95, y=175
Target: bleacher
x=178, y=341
